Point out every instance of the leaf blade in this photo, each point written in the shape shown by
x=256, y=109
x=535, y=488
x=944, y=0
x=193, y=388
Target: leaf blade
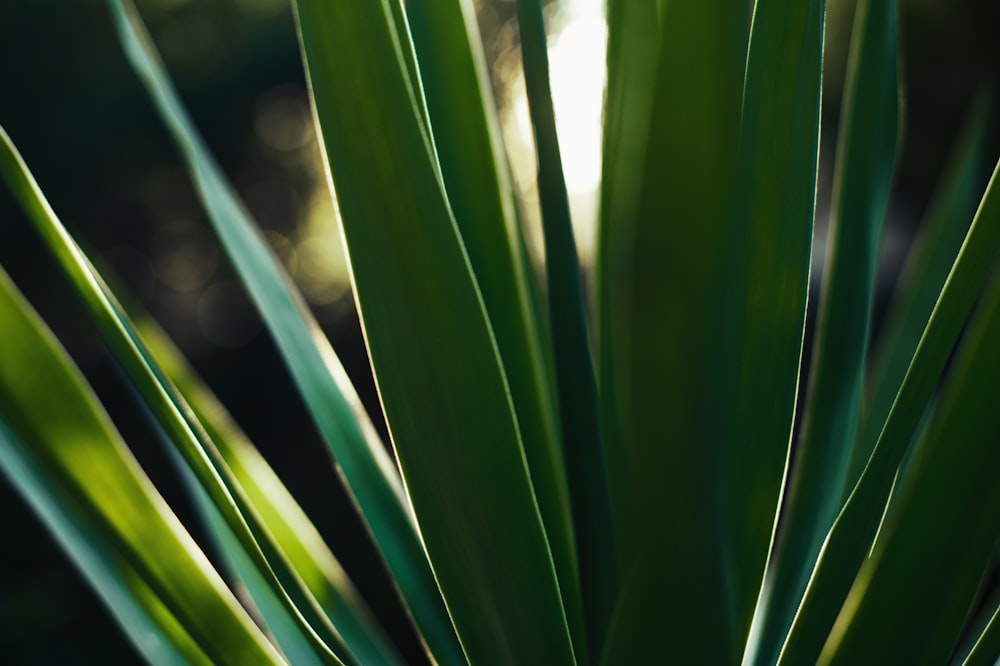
x=668, y=214
x=866, y=155
x=294, y=533
x=851, y=537
x=449, y=414
x=921, y=282
x=157, y=636
x=779, y=156
x=986, y=649
x=366, y=467
x=629, y=99
x=64, y=455
x=945, y=522
x=469, y=148
x=583, y=445
x=172, y=413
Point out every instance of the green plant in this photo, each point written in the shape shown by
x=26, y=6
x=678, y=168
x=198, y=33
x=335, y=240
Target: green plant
x=542, y=515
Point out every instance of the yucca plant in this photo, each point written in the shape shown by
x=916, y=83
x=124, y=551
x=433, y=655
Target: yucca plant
x=642, y=498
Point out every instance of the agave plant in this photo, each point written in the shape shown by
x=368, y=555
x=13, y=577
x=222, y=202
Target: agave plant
x=644, y=497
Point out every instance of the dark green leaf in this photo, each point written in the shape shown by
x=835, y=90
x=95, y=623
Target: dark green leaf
x=921, y=281
x=912, y=595
x=633, y=45
x=768, y=270
x=360, y=456
x=172, y=413
x=672, y=169
x=851, y=537
x=986, y=650
x=575, y=379
x=470, y=151
x=441, y=382
x=866, y=156
x=294, y=533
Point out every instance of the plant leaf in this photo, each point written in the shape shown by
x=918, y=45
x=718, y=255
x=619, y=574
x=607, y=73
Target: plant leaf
x=944, y=524
x=455, y=80
x=770, y=255
x=574, y=365
x=866, y=155
x=851, y=537
x=408, y=56
x=291, y=528
x=150, y=626
x=633, y=45
x=668, y=247
x=173, y=415
x=59, y=448
x=258, y=594
x=440, y=379
x=921, y=281
x=361, y=458
x=986, y=650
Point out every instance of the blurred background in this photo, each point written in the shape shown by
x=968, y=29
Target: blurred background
x=79, y=117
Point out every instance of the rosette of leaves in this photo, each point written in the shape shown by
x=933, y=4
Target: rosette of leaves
x=557, y=490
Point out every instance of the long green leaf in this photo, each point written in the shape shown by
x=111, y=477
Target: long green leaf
x=257, y=593
x=171, y=411
x=168, y=407
x=865, y=159
x=981, y=642
x=408, y=56
x=851, y=537
x=986, y=650
x=633, y=44
x=440, y=379
x=456, y=81
x=575, y=379
x=944, y=525
x=284, y=518
x=60, y=449
x=921, y=281
x=360, y=456
x=771, y=251
x=663, y=285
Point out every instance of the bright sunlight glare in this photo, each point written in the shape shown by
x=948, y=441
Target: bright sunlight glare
x=576, y=61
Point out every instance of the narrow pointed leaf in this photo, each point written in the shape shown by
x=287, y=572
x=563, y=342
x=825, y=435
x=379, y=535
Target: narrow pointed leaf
x=633, y=44
x=476, y=177
x=851, y=537
x=944, y=525
x=986, y=650
x=152, y=628
x=866, y=156
x=920, y=283
x=60, y=449
x=407, y=55
x=662, y=287
x=295, y=534
x=172, y=413
x=770, y=254
x=362, y=460
x=440, y=379
x=980, y=643
x=575, y=379
x=256, y=592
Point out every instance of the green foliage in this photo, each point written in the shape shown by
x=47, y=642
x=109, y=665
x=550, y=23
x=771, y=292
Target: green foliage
x=546, y=499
